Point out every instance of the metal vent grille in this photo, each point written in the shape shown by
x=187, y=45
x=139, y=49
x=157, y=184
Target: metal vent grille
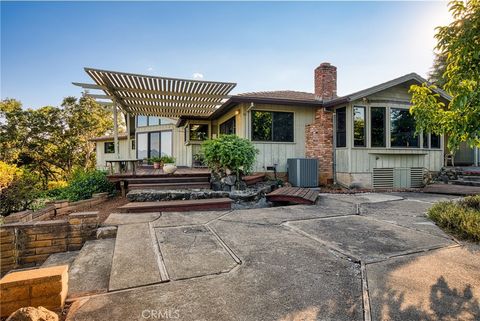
x=416, y=177
x=383, y=178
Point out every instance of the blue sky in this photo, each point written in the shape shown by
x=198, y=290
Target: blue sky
x=260, y=46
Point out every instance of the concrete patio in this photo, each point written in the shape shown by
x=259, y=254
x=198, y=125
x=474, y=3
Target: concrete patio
x=351, y=257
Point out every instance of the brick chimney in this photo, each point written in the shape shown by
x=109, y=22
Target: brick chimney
x=325, y=81
x=319, y=134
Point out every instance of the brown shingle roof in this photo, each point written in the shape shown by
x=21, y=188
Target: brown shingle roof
x=108, y=137
x=281, y=94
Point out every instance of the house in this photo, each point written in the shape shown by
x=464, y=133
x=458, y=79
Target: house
x=365, y=139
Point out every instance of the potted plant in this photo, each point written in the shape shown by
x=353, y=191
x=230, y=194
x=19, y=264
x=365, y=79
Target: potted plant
x=157, y=162
x=169, y=164
x=198, y=160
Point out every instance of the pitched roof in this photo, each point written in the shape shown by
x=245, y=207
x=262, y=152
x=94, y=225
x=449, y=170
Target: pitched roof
x=108, y=137
x=408, y=78
x=281, y=94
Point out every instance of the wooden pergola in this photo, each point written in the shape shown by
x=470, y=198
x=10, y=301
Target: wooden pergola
x=146, y=95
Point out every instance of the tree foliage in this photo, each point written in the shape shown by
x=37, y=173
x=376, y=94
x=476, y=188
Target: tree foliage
x=459, y=45
x=52, y=141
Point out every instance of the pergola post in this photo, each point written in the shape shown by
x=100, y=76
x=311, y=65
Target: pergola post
x=129, y=146
x=115, y=129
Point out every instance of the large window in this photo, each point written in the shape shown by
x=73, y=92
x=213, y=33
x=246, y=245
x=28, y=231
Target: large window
x=228, y=127
x=143, y=121
x=198, y=132
x=402, y=128
x=154, y=144
x=377, y=126
x=270, y=126
x=359, y=126
x=109, y=147
x=341, y=130
x=434, y=141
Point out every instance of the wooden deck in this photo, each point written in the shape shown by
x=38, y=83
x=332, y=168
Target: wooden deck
x=253, y=179
x=149, y=171
x=297, y=195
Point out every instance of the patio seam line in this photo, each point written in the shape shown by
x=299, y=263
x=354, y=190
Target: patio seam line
x=436, y=248
x=447, y=236
x=236, y=266
x=218, y=218
x=367, y=312
x=225, y=246
x=158, y=254
x=346, y=255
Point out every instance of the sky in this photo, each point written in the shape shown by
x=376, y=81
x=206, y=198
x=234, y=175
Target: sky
x=258, y=45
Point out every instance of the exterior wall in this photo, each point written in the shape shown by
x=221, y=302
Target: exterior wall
x=102, y=157
x=239, y=114
x=271, y=153
x=354, y=165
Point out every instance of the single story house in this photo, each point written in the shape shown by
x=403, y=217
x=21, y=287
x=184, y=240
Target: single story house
x=365, y=139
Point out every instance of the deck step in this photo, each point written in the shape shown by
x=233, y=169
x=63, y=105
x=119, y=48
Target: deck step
x=135, y=261
x=178, y=206
x=253, y=179
x=164, y=186
x=90, y=271
x=168, y=179
x=297, y=195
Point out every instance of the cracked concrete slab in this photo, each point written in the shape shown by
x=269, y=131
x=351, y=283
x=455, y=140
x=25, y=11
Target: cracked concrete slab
x=90, y=271
x=187, y=218
x=438, y=285
x=425, y=197
x=134, y=261
x=129, y=218
x=278, y=215
x=283, y=276
x=368, y=239
x=192, y=251
x=408, y=213
x=360, y=198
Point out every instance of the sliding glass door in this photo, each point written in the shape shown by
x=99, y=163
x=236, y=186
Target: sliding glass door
x=154, y=144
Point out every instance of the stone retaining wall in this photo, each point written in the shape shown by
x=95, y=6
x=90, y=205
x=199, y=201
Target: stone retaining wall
x=26, y=244
x=56, y=209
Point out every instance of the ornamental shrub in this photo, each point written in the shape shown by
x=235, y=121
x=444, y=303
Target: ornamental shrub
x=461, y=218
x=229, y=152
x=84, y=184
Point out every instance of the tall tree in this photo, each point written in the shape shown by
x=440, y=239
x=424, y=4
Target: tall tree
x=459, y=44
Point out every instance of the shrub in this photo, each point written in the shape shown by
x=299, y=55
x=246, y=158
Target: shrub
x=229, y=152
x=84, y=184
x=167, y=159
x=462, y=218
x=21, y=192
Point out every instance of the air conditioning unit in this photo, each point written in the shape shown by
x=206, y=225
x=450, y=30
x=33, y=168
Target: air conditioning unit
x=303, y=172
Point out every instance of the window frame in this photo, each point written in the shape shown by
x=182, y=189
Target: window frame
x=149, y=139
x=344, y=132
x=105, y=147
x=385, y=127
x=272, y=141
x=234, y=119
x=418, y=146
x=364, y=126
x=189, y=132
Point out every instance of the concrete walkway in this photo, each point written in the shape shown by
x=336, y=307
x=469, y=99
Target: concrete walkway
x=352, y=257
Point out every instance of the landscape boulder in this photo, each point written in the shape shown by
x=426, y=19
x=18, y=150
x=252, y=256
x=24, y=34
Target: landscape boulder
x=33, y=314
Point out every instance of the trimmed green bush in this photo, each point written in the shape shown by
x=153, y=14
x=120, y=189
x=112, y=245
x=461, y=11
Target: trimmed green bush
x=84, y=184
x=461, y=218
x=229, y=152
x=20, y=193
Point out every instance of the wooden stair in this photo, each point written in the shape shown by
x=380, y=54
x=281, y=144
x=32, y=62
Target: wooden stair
x=212, y=204
x=253, y=179
x=297, y=195
x=168, y=182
